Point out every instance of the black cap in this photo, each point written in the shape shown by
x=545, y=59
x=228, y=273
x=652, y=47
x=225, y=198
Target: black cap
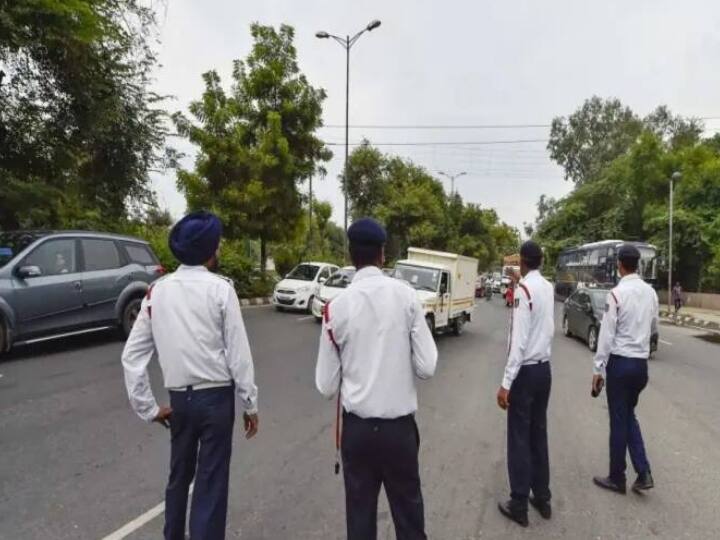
x=530, y=251
x=628, y=252
x=367, y=232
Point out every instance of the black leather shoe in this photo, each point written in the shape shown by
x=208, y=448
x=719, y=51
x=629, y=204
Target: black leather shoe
x=511, y=510
x=610, y=484
x=644, y=482
x=543, y=507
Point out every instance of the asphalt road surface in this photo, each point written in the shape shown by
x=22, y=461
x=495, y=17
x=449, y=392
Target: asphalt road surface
x=75, y=463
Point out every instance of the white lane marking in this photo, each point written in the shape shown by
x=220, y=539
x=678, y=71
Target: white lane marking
x=129, y=528
x=305, y=318
x=665, y=342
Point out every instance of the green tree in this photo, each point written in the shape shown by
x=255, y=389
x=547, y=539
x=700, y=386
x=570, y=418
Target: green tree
x=367, y=183
x=79, y=127
x=590, y=138
x=257, y=144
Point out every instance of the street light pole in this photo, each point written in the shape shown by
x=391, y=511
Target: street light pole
x=452, y=178
x=347, y=42
x=675, y=177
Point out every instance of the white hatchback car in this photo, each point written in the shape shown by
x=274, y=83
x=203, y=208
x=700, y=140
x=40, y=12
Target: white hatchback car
x=330, y=289
x=298, y=289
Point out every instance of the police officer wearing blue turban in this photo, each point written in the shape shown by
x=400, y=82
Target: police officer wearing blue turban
x=374, y=342
x=191, y=320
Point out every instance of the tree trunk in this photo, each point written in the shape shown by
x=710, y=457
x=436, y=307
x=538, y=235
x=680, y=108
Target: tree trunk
x=263, y=255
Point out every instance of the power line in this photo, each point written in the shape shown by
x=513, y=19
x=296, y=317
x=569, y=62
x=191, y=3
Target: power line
x=458, y=126
x=442, y=143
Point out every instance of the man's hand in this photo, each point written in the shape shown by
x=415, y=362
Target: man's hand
x=251, y=425
x=597, y=385
x=163, y=416
x=503, y=398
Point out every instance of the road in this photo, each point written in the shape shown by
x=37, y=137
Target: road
x=75, y=463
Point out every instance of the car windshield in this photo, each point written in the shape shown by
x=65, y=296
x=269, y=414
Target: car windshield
x=340, y=279
x=423, y=279
x=304, y=272
x=598, y=298
x=12, y=243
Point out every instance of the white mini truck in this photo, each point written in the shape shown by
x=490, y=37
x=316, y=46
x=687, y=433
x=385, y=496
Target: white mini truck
x=445, y=285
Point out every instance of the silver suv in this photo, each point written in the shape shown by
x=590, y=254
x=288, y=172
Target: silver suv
x=56, y=284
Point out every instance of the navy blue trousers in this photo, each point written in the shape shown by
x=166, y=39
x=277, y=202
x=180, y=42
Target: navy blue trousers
x=626, y=378
x=527, y=440
x=378, y=452
x=201, y=427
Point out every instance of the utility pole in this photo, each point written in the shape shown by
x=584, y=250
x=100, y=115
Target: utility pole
x=676, y=176
x=347, y=42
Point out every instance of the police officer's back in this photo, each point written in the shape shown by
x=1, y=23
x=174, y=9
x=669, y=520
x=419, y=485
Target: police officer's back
x=525, y=390
x=631, y=317
x=374, y=342
x=191, y=319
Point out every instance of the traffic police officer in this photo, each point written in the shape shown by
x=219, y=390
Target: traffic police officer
x=525, y=390
x=374, y=342
x=191, y=319
x=631, y=317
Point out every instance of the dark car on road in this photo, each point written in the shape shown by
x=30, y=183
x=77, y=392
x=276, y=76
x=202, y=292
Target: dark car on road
x=60, y=283
x=582, y=315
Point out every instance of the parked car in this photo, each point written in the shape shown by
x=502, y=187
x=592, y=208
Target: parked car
x=582, y=315
x=496, y=281
x=298, y=289
x=336, y=284
x=61, y=283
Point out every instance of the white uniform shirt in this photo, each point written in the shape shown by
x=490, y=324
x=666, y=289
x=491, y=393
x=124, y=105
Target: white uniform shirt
x=631, y=317
x=375, y=338
x=192, y=321
x=532, y=327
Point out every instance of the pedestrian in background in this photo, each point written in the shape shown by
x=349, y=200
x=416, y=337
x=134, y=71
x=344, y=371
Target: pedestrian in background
x=374, y=342
x=631, y=317
x=191, y=319
x=677, y=297
x=525, y=390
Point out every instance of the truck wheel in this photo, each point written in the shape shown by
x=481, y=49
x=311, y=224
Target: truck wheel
x=459, y=325
x=431, y=324
x=130, y=315
x=592, y=339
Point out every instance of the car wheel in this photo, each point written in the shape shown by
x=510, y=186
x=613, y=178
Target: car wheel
x=431, y=323
x=310, y=303
x=130, y=315
x=459, y=325
x=566, y=327
x=318, y=320
x=3, y=338
x=592, y=339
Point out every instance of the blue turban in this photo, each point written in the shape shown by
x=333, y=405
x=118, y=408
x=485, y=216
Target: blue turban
x=195, y=238
x=366, y=232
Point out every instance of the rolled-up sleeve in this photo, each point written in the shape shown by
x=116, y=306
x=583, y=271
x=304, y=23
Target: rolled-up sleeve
x=239, y=355
x=424, y=350
x=139, y=350
x=608, y=327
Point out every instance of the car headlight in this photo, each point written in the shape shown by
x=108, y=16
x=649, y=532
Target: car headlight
x=303, y=289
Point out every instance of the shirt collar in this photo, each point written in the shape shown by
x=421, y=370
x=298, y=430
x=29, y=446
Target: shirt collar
x=188, y=268
x=368, y=271
x=630, y=277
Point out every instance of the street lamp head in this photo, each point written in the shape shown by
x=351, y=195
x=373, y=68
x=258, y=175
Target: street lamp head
x=676, y=176
x=322, y=35
x=373, y=25
x=462, y=173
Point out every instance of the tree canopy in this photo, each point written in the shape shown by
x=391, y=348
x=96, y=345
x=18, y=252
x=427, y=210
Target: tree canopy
x=79, y=127
x=256, y=143
x=626, y=196
x=416, y=210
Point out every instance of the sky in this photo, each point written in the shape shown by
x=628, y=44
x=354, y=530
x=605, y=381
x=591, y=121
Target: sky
x=459, y=62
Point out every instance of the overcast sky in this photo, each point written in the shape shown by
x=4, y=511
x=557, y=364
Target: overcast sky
x=463, y=62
